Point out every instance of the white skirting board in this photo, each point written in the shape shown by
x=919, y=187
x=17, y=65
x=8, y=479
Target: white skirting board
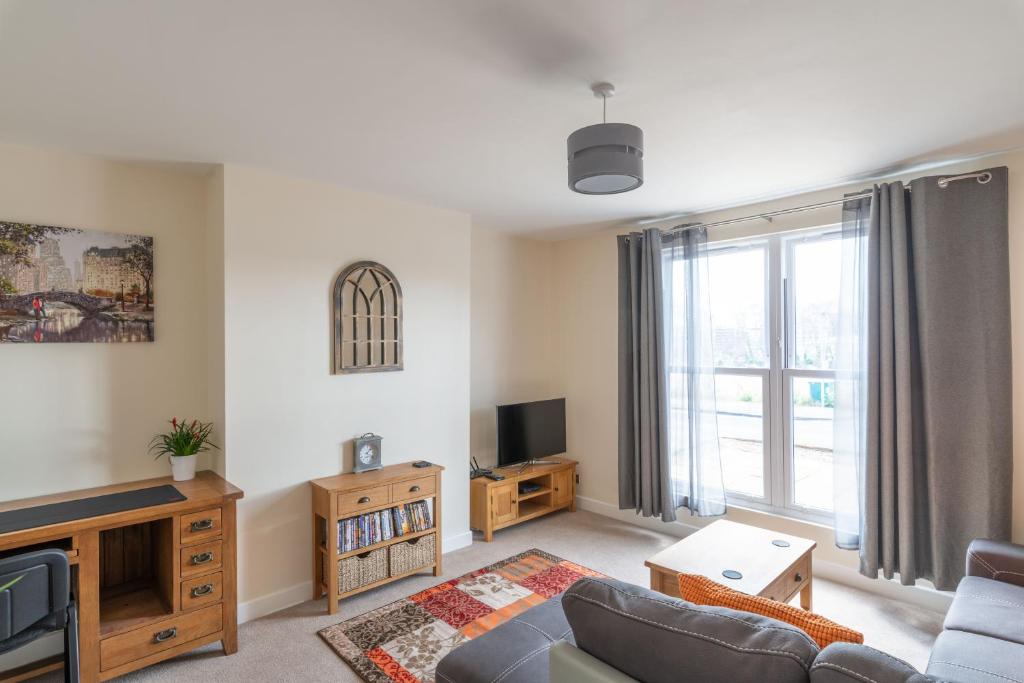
x=293, y=595
x=921, y=596
x=457, y=542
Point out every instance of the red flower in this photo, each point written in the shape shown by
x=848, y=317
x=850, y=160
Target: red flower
x=174, y=422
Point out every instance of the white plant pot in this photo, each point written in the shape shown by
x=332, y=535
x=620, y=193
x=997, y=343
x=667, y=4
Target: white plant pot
x=183, y=467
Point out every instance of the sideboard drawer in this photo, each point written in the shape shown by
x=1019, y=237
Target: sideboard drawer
x=356, y=501
x=414, y=489
x=198, y=526
x=201, y=590
x=202, y=558
x=159, y=636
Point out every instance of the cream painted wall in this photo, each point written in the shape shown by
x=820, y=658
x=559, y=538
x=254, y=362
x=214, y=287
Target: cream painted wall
x=80, y=415
x=586, y=281
x=215, y=349
x=287, y=416
x=513, y=321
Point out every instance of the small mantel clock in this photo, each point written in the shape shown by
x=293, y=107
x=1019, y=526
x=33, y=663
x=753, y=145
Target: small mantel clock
x=367, y=453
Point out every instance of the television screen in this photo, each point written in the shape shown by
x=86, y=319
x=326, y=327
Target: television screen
x=527, y=431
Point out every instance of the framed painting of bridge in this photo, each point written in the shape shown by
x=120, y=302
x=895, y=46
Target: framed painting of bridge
x=74, y=285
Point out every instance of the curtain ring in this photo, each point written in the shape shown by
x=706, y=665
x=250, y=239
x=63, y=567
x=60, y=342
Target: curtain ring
x=982, y=178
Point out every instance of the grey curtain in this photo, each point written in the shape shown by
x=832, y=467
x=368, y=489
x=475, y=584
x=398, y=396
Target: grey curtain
x=644, y=480
x=923, y=414
x=668, y=428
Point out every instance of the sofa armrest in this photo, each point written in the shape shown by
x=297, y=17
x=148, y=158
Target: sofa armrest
x=570, y=664
x=850, y=663
x=996, y=560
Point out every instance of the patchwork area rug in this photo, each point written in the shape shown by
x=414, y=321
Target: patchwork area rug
x=404, y=641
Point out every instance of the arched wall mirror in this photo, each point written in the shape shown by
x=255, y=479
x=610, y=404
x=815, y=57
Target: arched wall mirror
x=367, y=319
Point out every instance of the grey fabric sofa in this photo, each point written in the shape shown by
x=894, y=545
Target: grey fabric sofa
x=607, y=631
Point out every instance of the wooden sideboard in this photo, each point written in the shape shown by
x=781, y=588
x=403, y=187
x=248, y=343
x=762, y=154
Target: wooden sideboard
x=350, y=495
x=495, y=505
x=151, y=582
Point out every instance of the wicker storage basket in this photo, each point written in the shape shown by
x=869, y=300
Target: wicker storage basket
x=405, y=557
x=360, y=570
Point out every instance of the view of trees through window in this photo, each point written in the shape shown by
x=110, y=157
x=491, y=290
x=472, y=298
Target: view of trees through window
x=774, y=307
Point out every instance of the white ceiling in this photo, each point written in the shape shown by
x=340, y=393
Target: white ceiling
x=466, y=104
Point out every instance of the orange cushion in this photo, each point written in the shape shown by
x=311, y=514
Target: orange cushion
x=701, y=590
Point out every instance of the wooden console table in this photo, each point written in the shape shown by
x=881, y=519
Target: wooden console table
x=151, y=582
x=495, y=505
x=347, y=496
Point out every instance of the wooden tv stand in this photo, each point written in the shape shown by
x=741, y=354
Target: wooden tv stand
x=495, y=505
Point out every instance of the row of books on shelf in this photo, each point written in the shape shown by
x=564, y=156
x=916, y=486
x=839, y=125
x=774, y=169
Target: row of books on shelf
x=383, y=525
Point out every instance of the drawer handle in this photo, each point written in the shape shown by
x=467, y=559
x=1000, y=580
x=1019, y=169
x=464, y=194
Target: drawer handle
x=202, y=525
x=167, y=634
x=414, y=489
x=364, y=499
x=202, y=558
x=798, y=578
x=200, y=591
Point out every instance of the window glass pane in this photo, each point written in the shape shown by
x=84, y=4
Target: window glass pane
x=814, y=278
x=813, y=406
x=738, y=315
x=740, y=407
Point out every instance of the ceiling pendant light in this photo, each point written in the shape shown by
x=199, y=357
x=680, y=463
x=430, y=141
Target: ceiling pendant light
x=606, y=158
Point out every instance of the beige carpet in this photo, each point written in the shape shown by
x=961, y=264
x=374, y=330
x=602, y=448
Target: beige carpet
x=285, y=647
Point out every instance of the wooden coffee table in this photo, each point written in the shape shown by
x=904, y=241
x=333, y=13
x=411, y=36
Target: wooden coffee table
x=769, y=564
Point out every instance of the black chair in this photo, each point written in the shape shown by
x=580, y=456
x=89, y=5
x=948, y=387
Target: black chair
x=35, y=599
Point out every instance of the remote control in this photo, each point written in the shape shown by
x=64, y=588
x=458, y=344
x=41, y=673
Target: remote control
x=421, y=464
x=495, y=477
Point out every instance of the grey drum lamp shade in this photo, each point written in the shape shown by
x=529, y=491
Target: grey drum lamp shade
x=606, y=158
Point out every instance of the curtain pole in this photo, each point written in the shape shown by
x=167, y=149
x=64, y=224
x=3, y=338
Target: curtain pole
x=983, y=177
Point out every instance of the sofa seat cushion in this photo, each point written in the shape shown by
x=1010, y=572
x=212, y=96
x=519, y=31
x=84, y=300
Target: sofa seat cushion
x=515, y=652
x=658, y=639
x=988, y=608
x=960, y=657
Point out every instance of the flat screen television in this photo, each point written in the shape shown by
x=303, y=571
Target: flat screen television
x=528, y=431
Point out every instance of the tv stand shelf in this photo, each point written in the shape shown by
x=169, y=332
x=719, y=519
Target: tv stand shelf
x=495, y=505
x=543, y=491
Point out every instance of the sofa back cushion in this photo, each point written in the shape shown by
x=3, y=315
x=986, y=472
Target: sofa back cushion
x=658, y=639
x=850, y=663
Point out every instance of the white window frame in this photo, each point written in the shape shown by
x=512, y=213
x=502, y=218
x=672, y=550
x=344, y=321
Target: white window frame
x=777, y=378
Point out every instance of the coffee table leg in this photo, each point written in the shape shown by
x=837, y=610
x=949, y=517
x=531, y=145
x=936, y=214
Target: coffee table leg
x=807, y=594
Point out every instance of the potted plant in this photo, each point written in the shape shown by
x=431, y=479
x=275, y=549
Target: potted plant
x=182, y=444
